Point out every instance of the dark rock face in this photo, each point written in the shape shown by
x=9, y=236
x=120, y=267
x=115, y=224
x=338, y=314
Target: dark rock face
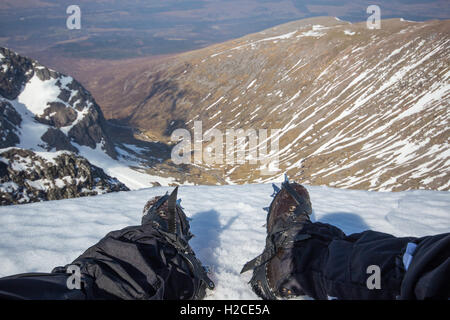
x=9, y=121
x=57, y=115
x=46, y=74
x=28, y=177
x=18, y=71
x=88, y=131
x=58, y=140
x=74, y=107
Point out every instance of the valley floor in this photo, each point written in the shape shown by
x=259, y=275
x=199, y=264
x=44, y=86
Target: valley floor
x=227, y=221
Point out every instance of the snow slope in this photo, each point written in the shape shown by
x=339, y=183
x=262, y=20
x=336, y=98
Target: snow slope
x=227, y=221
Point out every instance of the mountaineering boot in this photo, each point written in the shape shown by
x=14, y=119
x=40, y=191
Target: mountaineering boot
x=272, y=270
x=166, y=213
x=167, y=216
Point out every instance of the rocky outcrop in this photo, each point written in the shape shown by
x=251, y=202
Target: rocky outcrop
x=58, y=140
x=72, y=109
x=9, y=121
x=27, y=176
x=16, y=70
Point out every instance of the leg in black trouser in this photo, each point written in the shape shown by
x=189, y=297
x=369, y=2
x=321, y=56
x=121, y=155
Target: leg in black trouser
x=150, y=261
x=132, y=263
x=38, y=286
x=319, y=260
x=332, y=265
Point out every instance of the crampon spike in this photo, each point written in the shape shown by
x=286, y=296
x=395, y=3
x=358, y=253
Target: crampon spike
x=208, y=269
x=275, y=190
x=171, y=203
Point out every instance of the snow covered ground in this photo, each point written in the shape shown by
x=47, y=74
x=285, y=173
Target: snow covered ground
x=121, y=168
x=227, y=221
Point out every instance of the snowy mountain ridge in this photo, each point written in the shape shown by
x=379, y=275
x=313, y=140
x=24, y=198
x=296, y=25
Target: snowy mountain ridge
x=356, y=108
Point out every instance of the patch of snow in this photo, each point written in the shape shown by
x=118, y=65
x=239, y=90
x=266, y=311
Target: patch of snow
x=40, y=184
x=31, y=131
x=319, y=27
x=212, y=105
x=134, y=148
x=65, y=81
x=427, y=99
x=37, y=93
x=403, y=20
x=311, y=33
x=120, y=169
x=50, y=156
x=80, y=116
x=251, y=84
x=8, y=186
x=282, y=37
